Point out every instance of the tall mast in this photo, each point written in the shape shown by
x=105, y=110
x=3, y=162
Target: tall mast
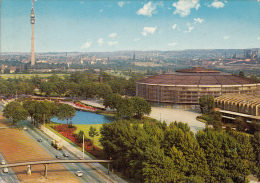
x=32, y=40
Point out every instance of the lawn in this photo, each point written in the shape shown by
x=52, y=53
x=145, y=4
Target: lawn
x=12, y=76
x=85, y=129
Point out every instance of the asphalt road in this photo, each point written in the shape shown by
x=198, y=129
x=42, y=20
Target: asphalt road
x=89, y=174
x=9, y=177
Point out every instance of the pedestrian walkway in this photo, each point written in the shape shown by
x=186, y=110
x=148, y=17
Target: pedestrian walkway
x=171, y=115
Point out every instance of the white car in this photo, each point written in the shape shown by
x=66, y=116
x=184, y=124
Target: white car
x=79, y=173
x=5, y=170
x=25, y=128
x=3, y=162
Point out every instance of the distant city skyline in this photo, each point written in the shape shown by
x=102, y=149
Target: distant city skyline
x=100, y=26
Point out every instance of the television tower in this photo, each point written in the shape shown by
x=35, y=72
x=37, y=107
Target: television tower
x=32, y=43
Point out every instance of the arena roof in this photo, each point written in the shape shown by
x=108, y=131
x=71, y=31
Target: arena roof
x=197, y=77
x=240, y=99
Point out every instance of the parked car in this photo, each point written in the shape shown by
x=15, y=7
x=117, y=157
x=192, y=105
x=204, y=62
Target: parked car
x=5, y=170
x=3, y=162
x=57, y=156
x=39, y=140
x=65, y=155
x=25, y=128
x=79, y=173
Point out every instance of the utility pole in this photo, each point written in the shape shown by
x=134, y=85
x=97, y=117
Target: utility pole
x=83, y=146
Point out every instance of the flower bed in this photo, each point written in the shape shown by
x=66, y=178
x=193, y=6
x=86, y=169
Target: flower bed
x=85, y=106
x=67, y=132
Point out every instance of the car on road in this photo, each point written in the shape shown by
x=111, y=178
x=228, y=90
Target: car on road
x=39, y=140
x=65, y=155
x=5, y=170
x=3, y=162
x=57, y=156
x=25, y=128
x=79, y=173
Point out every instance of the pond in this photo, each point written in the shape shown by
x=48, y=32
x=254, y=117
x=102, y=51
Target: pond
x=82, y=117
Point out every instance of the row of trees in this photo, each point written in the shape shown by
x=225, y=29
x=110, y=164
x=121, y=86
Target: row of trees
x=161, y=153
x=39, y=111
x=75, y=85
x=127, y=107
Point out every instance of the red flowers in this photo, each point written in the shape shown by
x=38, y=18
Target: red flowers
x=85, y=106
x=67, y=132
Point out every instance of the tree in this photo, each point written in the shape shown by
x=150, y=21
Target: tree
x=240, y=124
x=103, y=90
x=47, y=88
x=15, y=112
x=241, y=73
x=66, y=112
x=30, y=106
x=206, y=103
x=45, y=111
x=111, y=100
x=125, y=107
x=93, y=132
x=80, y=136
x=141, y=107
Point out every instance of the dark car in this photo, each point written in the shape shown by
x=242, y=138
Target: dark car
x=57, y=156
x=65, y=155
x=39, y=140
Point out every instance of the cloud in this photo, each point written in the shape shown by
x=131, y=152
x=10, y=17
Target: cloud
x=112, y=35
x=86, y=45
x=112, y=43
x=121, y=3
x=100, y=10
x=172, y=44
x=183, y=7
x=147, y=30
x=199, y=20
x=258, y=37
x=226, y=37
x=148, y=9
x=190, y=29
x=217, y=4
x=100, y=41
x=174, y=26
x=136, y=39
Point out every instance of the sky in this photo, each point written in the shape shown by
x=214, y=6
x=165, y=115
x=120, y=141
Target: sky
x=100, y=26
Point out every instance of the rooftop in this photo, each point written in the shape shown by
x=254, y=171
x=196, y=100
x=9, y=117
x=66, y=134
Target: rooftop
x=197, y=76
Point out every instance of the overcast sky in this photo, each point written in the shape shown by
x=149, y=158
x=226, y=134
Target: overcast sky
x=96, y=25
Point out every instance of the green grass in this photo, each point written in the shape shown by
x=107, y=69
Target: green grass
x=12, y=76
x=85, y=129
x=48, y=125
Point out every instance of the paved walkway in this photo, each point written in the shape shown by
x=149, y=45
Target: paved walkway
x=171, y=115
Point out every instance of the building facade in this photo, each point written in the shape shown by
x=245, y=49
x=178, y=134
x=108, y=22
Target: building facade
x=235, y=105
x=186, y=86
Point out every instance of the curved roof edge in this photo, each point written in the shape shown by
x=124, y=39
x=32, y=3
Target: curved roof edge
x=197, y=70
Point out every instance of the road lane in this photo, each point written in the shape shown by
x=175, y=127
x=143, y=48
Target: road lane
x=88, y=172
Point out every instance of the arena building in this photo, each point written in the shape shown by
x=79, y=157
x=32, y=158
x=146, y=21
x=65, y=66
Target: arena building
x=186, y=86
x=239, y=105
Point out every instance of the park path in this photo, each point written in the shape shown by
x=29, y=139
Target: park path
x=170, y=115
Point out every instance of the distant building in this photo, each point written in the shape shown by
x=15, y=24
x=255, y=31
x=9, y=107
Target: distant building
x=186, y=86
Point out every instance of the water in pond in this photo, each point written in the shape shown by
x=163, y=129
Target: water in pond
x=86, y=118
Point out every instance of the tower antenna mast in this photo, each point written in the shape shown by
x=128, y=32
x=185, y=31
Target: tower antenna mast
x=32, y=40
